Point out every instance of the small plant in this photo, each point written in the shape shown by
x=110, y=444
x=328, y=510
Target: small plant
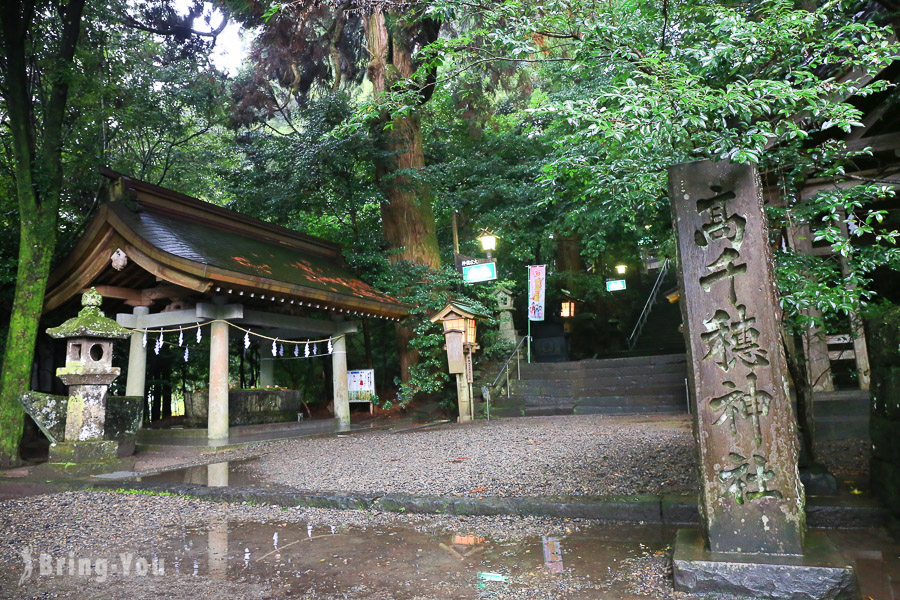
x=149, y=492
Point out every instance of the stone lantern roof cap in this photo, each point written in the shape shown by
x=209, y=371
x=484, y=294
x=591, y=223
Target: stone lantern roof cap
x=90, y=322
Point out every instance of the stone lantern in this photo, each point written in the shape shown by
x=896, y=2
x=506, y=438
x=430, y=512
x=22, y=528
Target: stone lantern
x=87, y=374
x=505, y=307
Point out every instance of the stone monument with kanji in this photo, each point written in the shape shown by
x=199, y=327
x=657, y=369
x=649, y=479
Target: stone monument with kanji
x=752, y=502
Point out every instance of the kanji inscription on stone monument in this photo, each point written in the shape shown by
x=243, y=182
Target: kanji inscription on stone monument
x=752, y=499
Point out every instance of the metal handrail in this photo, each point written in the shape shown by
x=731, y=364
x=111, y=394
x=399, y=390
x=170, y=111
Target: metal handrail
x=511, y=355
x=648, y=306
x=486, y=389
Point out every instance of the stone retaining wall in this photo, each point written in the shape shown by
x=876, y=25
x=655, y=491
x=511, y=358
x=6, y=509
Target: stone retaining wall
x=246, y=407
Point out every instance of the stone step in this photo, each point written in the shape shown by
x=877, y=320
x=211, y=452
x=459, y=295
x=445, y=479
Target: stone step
x=629, y=409
x=661, y=359
x=842, y=428
x=602, y=372
x=587, y=377
x=675, y=387
x=580, y=387
x=672, y=399
x=842, y=396
x=553, y=410
x=636, y=384
x=649, y=377
x=666, y=399
x=854, y=407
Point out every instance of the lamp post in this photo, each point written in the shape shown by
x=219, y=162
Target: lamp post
x=460, y=328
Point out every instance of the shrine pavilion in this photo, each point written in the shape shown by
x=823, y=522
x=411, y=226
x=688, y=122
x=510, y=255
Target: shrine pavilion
x=167, y=261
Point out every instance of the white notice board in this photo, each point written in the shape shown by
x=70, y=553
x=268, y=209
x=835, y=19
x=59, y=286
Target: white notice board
x=361, y=385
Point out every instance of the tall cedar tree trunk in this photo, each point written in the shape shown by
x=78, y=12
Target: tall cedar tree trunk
x=38, y=177
x=407, y=216
x=568, y=253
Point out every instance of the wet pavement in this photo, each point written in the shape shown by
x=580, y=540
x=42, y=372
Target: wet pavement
x=599, y=561
x=398, y=559
x=178, y=548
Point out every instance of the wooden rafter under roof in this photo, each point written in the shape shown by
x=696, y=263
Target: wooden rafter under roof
x=171, y=239
x=878, y=135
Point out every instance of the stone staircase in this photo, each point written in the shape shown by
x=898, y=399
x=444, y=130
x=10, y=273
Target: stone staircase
x=842, y=415
x=660, y=334
x=640, y=384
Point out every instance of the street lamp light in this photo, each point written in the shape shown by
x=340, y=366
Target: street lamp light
x=621, y=269
x=454, y=323
x=470, y=332
x=488, y=243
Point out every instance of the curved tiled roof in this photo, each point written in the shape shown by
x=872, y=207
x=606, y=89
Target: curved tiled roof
x=187, y=239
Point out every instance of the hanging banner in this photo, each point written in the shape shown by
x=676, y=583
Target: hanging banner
x=537, y=283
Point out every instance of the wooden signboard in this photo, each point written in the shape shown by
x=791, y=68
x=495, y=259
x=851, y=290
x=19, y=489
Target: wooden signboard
x=361, y=385
x=456, y=359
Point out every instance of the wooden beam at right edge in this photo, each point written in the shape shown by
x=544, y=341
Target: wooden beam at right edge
x=818, y=365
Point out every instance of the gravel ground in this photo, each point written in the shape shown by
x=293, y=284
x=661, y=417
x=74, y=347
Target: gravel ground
x=541, y=456
x=108, y=524
x=592, y=455
x=846, y=459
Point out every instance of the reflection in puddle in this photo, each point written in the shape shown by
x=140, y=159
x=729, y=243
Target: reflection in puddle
x=303, y=558
x=599, y=561
x=220, y=474
x=552, y=554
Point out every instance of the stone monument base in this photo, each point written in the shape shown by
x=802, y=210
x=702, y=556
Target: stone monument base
x=80, y=452
x=821, y=573
x=85, y=458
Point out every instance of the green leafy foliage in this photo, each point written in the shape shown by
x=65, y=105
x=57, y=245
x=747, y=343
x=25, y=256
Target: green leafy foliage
x=625, y=89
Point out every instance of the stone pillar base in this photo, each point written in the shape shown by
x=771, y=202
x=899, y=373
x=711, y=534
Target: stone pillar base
x=820, y=573
x=79, y=452
x=84, y=458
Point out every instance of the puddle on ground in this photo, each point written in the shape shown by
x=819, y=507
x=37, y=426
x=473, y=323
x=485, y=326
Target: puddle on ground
x=625, y=562
x=297, y=558
x=221, y=474
x=622, y=561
